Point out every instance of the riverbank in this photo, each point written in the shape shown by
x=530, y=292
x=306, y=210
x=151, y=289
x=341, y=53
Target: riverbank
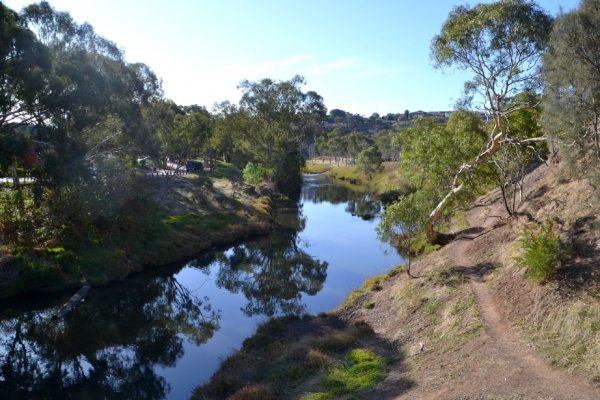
x=469, y=325
x=386, y=185
x=191, y=216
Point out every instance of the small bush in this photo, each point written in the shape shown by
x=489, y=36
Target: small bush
x=360, y=370
x=254, y=392
x=542, y=251
x=369, y=305
x=372, y=283
x=253, y=173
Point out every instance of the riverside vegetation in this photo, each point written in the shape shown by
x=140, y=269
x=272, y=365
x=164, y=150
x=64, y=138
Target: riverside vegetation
x=511, y=206
x=197, y=213
x=506, y=206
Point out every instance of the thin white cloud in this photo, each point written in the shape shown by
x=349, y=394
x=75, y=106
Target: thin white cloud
x=344, y=63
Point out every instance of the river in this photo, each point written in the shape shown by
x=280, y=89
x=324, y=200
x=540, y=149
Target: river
x=161, y=332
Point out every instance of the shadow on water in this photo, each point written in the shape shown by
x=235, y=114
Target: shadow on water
x=320, y=188
x=115, y=344
x=272, y=273
x=108, y=347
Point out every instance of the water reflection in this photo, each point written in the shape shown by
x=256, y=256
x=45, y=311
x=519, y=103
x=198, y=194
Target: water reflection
x=319, y=189
x=106, y=348
x=138, y=338
x=273, y=272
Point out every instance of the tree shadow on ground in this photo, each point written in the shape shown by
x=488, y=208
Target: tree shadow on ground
x=290, y=356
x=581, y=272
x=478, y=271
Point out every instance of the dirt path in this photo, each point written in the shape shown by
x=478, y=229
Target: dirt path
x=515, y=368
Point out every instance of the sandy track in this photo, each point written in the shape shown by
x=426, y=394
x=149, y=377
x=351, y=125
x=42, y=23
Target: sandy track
x=517, y=370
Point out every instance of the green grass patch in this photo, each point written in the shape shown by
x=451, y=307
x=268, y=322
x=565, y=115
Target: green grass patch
x=279, y=362
x=317, y=168
x=353, y=296
x=361, y=369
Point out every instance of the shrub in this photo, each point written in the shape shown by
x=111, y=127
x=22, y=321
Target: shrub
x=253, y=173
x=542, y=251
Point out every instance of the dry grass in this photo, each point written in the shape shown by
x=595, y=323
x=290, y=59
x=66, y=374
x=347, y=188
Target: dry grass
x=568, y=332
x=278, y=362
x=439, y=308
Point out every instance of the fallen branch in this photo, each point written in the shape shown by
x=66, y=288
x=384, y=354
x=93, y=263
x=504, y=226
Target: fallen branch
x=72, y=303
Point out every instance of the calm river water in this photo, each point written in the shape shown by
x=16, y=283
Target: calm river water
x=162, y=332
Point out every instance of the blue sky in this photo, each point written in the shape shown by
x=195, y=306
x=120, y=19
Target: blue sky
x=361, y=56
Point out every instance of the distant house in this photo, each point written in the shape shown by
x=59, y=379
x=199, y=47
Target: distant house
x=417, y=114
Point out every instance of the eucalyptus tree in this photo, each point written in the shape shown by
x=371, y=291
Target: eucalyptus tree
x=369, y=161
x=432, y=152
x=356, y=142
x=401, y=223
x=84, y=102
x=190, y=134
x=383, y=141
x=277, y=118
x=336, y=146
x=92, y=97
x=502, y=44
x=23, y=63
x=572, y=98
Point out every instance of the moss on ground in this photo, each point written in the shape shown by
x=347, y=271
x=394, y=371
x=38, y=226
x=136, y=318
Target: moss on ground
x=278, y=362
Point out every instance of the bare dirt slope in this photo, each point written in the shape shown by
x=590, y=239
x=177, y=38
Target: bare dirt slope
x=487, y=351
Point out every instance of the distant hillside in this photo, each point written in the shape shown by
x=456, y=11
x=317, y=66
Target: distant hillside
x=370, y=126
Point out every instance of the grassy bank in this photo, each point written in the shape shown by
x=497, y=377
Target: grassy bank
x=190, y=219
x=300, y=358
x=387, y=183
x=336, y=355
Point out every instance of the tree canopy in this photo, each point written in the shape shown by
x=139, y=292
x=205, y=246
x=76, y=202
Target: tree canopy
x=502, y=44
x=572, y=74
x=273, y=120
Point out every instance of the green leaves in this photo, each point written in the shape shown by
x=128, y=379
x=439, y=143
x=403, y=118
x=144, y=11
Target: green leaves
x=542, y=251
x=274, y=119
x=369, y=161
x=572, y=74
x=500, y=42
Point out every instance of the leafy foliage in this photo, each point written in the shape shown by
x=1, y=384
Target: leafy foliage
x=572, y=71
x=542, y=251
x=273, y=120
x=501, y=43
x=253, y=173
x=431, y=154
x=369, y=161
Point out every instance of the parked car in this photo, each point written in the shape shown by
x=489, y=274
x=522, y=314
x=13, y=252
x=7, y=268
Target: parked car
x=193, y=166
x=147, y=163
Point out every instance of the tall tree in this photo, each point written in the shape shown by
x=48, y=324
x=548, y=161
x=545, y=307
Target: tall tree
x=369, y=161
x=24, y=61
x=279, y=118
x=92, y=97
x=572, y=73
x=502, y=44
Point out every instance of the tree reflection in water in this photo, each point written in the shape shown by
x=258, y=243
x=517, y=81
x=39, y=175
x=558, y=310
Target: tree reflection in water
x=108, y=347
x=357, y=202
x=273, y=272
